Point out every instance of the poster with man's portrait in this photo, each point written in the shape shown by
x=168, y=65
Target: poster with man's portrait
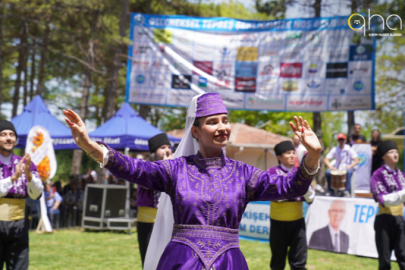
x=342, y=225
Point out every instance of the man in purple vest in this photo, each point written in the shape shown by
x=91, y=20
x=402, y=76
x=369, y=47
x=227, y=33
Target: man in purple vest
x=19, y=179
x=147, y=201
x=287, y=228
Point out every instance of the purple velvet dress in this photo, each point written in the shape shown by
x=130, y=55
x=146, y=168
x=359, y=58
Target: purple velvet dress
x=209, y=197
x=147, y=197
x=280, y=171
x=19, y=189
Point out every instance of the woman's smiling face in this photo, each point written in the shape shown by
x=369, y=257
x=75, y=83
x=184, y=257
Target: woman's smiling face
x=213, y=131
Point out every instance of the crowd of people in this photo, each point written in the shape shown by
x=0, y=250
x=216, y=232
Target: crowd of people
x=203, y=194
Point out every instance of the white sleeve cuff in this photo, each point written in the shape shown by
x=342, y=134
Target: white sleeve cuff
x=394, y=198
x=310, y=195
x=5, y=185
x=311, y=173
x=35, y=187
x=105, y=156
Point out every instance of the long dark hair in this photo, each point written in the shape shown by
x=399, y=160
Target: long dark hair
x=379, y=135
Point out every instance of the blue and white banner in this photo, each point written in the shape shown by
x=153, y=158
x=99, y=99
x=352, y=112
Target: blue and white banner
x=363, y=169
x=255, y=223
x=317, y=64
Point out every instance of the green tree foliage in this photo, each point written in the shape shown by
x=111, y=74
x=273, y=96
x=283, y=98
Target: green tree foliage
x=389, y=80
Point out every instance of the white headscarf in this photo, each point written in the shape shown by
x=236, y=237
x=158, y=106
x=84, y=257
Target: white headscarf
x=163, y=228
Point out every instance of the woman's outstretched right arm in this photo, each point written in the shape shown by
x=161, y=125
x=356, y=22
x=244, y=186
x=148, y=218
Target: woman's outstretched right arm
x=81, y=137
x=154, y=175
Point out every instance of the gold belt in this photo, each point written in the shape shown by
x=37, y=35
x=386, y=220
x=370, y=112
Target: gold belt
x=12, y=209
x=146, y=214
x=397, y=210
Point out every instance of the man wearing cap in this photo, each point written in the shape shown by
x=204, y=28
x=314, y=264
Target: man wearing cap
x=388, y=187
x=19, y=179
x=147, y=200
x=346, y=158
x=287, y=228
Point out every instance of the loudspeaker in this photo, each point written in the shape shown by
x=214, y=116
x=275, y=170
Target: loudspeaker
x=102, y=202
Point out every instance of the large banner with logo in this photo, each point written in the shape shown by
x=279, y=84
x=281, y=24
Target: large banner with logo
x=349, y=222
x=317, y=64
x=363, y=170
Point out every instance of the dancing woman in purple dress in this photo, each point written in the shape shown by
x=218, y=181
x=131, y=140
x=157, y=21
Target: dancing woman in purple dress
x=207, y=190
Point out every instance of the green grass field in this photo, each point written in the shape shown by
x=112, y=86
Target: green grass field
x=75, y=249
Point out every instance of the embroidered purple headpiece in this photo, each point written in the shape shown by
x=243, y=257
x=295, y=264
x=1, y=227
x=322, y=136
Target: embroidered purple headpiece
x=209, y=104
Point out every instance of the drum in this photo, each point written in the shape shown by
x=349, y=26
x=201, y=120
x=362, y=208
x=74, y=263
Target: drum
x=338, y=179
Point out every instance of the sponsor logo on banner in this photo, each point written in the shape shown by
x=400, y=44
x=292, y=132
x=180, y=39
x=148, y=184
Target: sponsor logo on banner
x=181, y=81
x=204, y=66
x=140, y=34
x=291, y=55
x=339, y=38
x=313, y=68
x=336, y=70
x=162, y=35
x=338, y=54
x=306, y=103
x=248, y=39
x=232, y=100
x=203, y=53
x=336, y=86
x=140, y=79
x=291, y=70
x=358, y=86
x=313, y=84
x=315, y=54
x=360, y=53
x=141, y=49
x=336, y=104
x=225, y=54
x=290, y=85
x=182, y=68
x=267, y=54
x=139, y=19
x=354, y=72
x=293, y=39
x=267, y=85
x=225, y=84
x=261, y=102
x=202, y=82
x=314, y=39
x=147, y=96
x=180, y=97
x=269, y=69
x=245, y=69
x=160, y=80
x=160, y=65
x=140, y=64
x=246, y=54
x=273, y=39
x=350, y=102
x=245, y=84
x=361, y=69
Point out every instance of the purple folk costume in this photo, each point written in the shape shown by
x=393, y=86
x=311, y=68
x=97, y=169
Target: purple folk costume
x=13, y=230
x=388, y=187
x=208, y=196
x=287, y=230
